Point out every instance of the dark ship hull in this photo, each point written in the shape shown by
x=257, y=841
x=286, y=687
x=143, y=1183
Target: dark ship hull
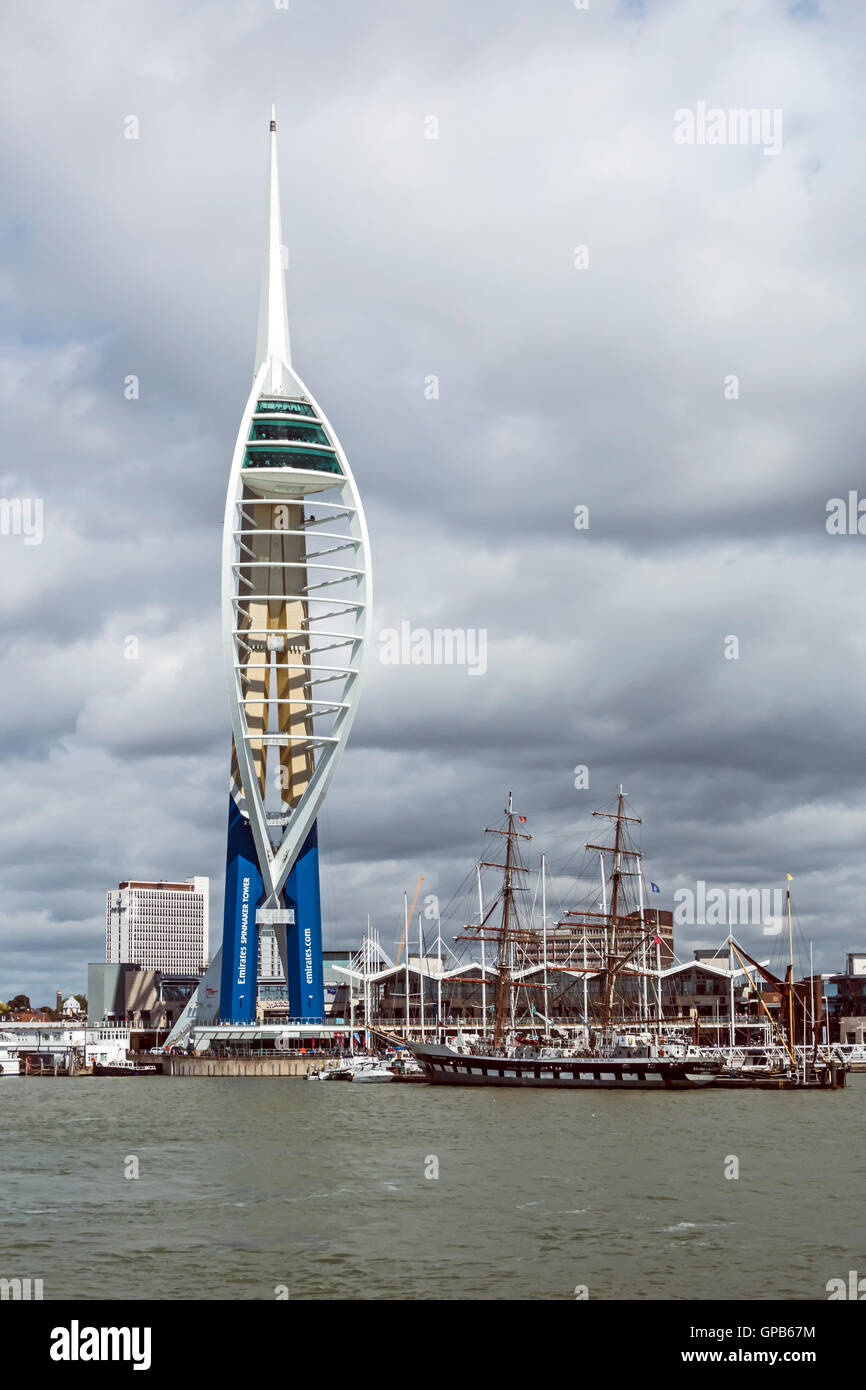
x=106, y=1069
x=444, y=1067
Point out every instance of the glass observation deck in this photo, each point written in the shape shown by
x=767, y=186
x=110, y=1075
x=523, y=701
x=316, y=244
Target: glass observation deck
x=284, y=431
x=278, y=407
x=270, y=455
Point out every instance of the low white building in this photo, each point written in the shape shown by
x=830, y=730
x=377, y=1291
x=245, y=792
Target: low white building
x=107, y=1044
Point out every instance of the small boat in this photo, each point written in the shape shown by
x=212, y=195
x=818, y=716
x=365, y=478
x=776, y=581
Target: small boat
x=406, y=1068
x=371, y=1071
x=338, y=1073
x=347, y=1069
x=122, y=1069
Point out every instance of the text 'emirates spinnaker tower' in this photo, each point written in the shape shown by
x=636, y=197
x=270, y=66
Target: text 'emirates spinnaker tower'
x=296, y=618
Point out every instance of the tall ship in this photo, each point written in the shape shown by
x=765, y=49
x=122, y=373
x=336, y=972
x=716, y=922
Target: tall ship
x=524, y=1048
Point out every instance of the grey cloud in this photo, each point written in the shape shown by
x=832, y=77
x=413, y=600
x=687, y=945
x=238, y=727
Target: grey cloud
x=558, y=387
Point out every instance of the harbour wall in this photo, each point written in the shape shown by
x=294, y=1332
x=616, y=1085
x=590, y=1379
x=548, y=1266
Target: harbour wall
x=241, y=1066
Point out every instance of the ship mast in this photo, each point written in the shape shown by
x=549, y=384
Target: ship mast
x=509, y=933
x=789, y=973
x=616, y=879
x=617, y=873
x=505, y=964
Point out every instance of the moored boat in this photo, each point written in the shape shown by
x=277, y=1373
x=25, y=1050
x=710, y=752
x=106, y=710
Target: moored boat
x=372, y=1071
x=510, y=1058
x=445, y=1067
x=123, y=1069
x=353, y=1069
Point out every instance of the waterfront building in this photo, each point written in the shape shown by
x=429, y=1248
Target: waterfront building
x=296, y=625
x=274, y=999
x=585, y=943
x=144, y=998
x=65, y=1044
x=464, y=994
x=846, y=995
x=160, y=926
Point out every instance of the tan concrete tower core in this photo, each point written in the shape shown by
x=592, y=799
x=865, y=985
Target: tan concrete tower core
x=274, y=619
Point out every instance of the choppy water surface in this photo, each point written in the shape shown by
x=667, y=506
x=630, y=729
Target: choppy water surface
x=249, y=1184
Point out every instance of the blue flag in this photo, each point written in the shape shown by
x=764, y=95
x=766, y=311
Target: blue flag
x=655, y=888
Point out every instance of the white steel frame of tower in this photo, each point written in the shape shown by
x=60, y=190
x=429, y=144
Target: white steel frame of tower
x=333, y=592
x=296, y=608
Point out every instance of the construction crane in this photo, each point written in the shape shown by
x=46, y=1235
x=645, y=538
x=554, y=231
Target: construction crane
x=409, y=916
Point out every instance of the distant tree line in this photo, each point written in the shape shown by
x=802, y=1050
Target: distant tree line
x=21, y=1004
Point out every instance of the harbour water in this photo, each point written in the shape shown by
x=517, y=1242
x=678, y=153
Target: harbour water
x=254, y=1189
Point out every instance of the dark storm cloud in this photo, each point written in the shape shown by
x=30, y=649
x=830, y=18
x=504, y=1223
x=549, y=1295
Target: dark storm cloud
x=454, y=258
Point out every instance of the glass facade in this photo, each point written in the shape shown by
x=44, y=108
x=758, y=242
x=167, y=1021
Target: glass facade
x=285, y=407
x=273, y=991
x=287, y=457
x=277, y=429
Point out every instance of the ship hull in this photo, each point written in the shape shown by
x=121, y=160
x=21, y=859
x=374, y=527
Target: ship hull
x=447, y=1068
x=106, y=1069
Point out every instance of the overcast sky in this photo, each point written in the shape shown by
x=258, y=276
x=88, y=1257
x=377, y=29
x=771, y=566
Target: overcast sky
x=560, y=385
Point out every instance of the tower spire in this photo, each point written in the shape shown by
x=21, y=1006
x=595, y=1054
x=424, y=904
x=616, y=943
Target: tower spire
x=272, y=343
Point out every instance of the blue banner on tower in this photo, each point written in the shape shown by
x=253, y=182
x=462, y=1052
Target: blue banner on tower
x=304, y=939
x=240, y=935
